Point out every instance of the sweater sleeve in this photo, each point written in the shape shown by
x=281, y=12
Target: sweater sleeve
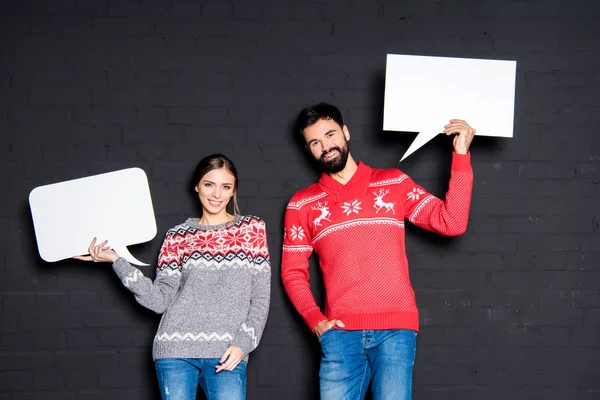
x=156, y=295
x=297, y=248
x=449, y=217
x=252, y=328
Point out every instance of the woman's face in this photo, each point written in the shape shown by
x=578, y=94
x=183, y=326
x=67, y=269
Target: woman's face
x=215, y=189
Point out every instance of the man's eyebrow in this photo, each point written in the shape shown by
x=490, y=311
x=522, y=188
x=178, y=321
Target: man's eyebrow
x=314, y=140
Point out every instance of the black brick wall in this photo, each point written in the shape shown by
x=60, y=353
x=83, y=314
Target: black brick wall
x=509, y=310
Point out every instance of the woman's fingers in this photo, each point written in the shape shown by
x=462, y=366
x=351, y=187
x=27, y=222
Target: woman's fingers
x=98, y=252
x=95, y=251
x=225, y=355
x=91, y=246
x=230, y=359
x=229, y=365
x=83, y=258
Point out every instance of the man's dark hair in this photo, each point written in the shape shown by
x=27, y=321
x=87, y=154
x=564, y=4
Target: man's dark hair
x=311, y=115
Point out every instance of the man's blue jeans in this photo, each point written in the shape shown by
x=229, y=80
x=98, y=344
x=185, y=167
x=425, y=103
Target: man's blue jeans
x=178, y=379
x=351, y=359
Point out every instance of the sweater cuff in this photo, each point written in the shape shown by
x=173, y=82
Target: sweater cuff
x=461, y=162
x=244, y=342
x=313, y=318
x=122, y=268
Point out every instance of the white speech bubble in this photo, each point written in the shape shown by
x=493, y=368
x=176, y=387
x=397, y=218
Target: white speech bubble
x=423, y=93
x=115, y=206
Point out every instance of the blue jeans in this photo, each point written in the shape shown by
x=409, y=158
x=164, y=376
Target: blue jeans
x=178, y=379
x=351, y=359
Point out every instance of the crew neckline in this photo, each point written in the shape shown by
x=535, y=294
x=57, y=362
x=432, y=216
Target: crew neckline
x=194, y=223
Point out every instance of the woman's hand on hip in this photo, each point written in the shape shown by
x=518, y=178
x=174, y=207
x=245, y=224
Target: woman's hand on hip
x=230, y=359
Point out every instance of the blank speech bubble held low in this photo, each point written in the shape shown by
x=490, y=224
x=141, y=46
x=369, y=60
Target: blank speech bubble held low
x=115, y=206
x=423, y=93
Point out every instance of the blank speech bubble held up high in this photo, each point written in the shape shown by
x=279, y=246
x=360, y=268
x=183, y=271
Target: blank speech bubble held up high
x=423, y=93
x=114, y=206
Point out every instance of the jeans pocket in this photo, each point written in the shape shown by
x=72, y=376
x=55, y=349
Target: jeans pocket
x=320, y=338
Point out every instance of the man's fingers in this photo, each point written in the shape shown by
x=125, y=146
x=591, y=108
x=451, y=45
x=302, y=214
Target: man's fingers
x=330, y=324
x=321, y=328
x=335, y=322
x=455, y=127
x=461, y=131
x=458, y=126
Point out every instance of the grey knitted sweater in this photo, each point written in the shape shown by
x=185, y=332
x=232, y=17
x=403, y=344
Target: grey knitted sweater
x=212, y=286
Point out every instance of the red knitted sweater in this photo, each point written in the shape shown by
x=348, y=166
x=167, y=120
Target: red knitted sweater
x=357, y=230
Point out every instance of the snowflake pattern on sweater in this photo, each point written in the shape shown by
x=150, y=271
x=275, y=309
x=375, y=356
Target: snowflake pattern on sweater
x=357, y=229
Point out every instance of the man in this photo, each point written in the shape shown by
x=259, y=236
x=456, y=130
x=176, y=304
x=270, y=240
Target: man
x=353, y=218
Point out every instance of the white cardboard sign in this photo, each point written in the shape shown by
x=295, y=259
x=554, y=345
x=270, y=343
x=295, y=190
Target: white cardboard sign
x=114, y=206
x=423, y=93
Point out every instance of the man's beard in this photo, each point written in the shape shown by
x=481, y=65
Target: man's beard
x=338, y=163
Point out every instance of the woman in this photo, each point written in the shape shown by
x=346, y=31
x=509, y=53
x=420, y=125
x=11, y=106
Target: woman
x=212, y=285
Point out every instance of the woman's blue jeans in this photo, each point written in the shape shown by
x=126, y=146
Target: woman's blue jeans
x=178, y=379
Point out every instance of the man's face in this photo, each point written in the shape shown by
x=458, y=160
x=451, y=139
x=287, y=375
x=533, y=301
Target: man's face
x=328, y=143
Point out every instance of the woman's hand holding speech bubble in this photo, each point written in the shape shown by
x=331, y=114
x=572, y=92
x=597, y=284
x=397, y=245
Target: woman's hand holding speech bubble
x=99, y=253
